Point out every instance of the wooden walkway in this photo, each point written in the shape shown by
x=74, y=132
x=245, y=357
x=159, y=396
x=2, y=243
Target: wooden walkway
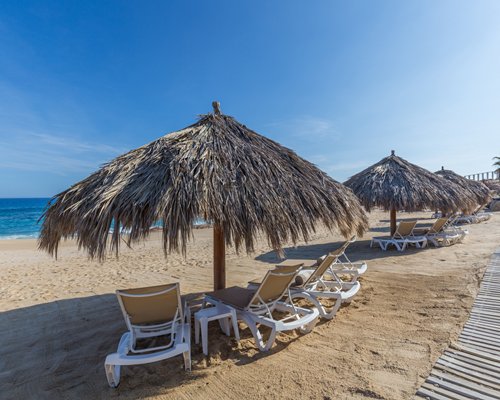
x=470, y=368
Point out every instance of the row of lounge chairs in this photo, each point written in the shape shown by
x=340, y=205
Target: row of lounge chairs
x=443, y=232
x=159, y=311
x=476, y=217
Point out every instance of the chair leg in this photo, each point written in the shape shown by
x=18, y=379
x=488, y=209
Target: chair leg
x=259, y=340
x=196, y=330
x=204, y=335
x=235, y=325
x=187, y=360
x=309, y=327
x=113, y=374
x=224, y=326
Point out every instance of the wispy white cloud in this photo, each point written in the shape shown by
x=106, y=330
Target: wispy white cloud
x=37, y=135
x=74, y=144
x=58, y=154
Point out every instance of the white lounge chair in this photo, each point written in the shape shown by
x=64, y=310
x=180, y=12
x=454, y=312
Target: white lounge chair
x=149, y=313
x=476, y=217
x=257, y=306
x=453, y=226
x=401, y=238
x=440, y=234
x=315, y=286
x=343, y=265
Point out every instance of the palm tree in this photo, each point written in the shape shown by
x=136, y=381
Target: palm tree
x=497, y=164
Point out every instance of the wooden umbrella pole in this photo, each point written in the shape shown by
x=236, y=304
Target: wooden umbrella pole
x=393, y=221
x=219, y=258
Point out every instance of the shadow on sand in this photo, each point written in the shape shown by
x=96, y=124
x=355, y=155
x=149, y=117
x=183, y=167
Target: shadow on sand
x=57, y=350
x=409, y=219
x=357, y=251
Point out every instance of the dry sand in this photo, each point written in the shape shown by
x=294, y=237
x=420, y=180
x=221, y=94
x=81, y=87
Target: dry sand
x=59, y=319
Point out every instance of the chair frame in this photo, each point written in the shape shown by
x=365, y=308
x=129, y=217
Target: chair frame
x=399, y=240
x=446, y=235
x=179, y=330
x=346, y=266
x=316, y=288
x=260, y=312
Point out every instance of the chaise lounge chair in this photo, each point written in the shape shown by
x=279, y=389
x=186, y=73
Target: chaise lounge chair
x=440, y=233
x=256, y=306
x=342, y=265
x=402, y=237
x=314, y=286
x=476, y=217
x=317, y=287
x=150, y=312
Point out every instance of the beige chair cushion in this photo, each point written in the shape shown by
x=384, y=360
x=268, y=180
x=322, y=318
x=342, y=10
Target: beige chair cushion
x=153, y=309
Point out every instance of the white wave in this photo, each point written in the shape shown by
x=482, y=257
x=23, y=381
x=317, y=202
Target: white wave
x=12, y=237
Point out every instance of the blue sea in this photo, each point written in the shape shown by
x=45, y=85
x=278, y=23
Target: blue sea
x=19, y=217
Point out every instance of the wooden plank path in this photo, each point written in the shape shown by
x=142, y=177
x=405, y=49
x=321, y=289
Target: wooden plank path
x=470, y=368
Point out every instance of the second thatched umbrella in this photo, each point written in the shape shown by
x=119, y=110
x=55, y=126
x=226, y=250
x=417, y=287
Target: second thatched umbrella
x=217, y=169
x=396, y=184
x=478, y=191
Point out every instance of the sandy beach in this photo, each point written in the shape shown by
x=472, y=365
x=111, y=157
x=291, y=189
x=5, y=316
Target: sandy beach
x=59, y=319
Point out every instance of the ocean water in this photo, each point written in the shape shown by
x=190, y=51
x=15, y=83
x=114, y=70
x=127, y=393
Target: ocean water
x=19, y=217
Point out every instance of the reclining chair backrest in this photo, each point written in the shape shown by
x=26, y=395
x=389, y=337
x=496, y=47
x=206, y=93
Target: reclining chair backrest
x=321, y=269
x=151, y=305
x=273, y=287
x=438, y=225
x=340, y=250
x=405, y=228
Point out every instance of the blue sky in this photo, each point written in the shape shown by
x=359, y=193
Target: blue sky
x=340, y=82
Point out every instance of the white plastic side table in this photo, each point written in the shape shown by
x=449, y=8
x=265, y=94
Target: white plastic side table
x=217, y=312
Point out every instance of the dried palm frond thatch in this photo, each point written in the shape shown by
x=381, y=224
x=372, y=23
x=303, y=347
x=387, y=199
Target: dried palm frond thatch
x=396, y=184
x=492, y=184
x=216, y=169
x=478, y=191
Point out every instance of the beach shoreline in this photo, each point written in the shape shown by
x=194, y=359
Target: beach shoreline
x=411, y=306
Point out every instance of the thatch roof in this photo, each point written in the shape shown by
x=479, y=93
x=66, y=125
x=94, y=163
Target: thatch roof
x=217, y=169
x=394, y=183
x=477, y=190
x=493, y=185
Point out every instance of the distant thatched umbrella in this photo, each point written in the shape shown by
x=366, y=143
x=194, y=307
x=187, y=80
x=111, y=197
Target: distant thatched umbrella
x=493, y=184
x=217, y=169
x=395, y=184
x=478, y=191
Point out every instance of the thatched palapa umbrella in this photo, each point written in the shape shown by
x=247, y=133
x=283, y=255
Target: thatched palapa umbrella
x=493, y=185
x=396, y=184
x=477, y=190
x=217, y=169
